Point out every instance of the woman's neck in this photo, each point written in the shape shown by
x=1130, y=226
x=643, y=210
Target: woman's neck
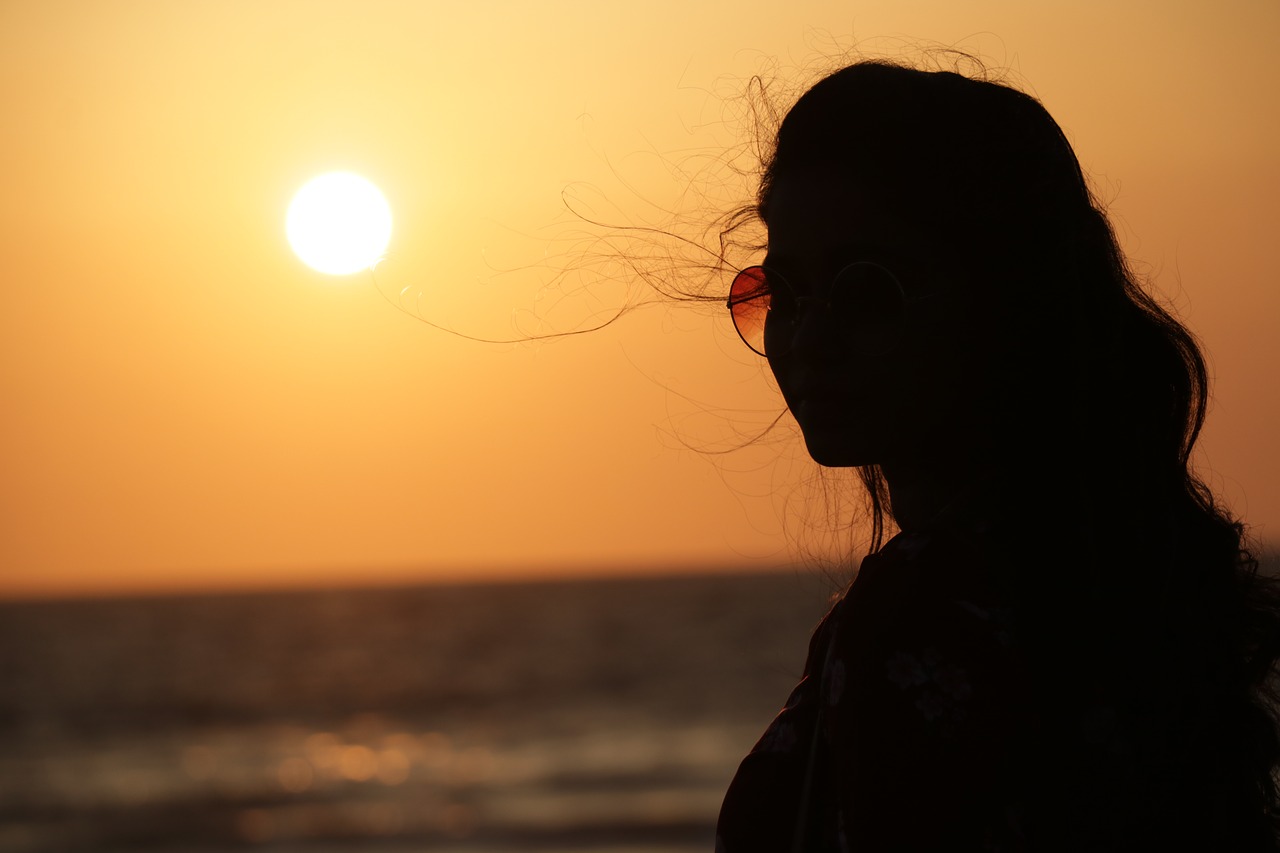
x=921, y=493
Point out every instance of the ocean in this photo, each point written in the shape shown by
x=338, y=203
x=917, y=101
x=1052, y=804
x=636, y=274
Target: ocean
x=602, y=716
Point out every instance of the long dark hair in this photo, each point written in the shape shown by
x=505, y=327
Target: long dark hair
x=1101, y=394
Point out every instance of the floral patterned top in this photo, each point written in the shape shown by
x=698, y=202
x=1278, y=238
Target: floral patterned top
x=978, y=690
x=897, y=736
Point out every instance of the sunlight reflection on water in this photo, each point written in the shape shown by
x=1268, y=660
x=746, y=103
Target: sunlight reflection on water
x=588, y=716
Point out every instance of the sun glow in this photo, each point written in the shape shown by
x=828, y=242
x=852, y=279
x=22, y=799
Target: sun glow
x=338, y=223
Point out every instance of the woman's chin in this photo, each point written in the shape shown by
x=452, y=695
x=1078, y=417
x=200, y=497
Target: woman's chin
x=836, y=449
x=836, y=436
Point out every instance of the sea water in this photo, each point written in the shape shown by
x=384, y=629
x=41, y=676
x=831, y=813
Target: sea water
x=602, y=715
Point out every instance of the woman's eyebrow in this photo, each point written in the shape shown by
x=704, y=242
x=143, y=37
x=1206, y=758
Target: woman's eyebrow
x=832, y=259
x=858, y=250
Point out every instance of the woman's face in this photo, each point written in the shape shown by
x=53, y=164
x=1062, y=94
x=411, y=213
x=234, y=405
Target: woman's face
x=859, y=403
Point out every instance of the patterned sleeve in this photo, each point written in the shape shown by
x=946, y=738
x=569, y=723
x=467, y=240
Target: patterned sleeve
x=764, y=801
x=922, y=718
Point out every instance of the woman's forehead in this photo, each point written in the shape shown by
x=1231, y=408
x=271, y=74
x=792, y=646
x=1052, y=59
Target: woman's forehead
x=814, y=219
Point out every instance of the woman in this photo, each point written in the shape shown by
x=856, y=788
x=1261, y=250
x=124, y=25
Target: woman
x=1066, y=646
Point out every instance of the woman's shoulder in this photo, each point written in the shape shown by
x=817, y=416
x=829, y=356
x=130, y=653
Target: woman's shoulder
x=940, y=564
x=927, y=608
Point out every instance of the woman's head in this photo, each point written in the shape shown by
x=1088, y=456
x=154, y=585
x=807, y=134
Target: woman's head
x=1026, y=332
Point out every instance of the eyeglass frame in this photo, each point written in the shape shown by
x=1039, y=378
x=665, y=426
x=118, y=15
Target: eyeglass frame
x=802, y=302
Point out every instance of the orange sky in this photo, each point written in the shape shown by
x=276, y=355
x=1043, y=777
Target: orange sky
x=186, y=406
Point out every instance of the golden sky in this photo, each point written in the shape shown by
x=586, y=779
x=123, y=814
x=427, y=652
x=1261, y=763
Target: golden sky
x=187, y=406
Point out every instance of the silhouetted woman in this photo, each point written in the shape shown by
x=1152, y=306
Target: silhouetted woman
x=1066, y=647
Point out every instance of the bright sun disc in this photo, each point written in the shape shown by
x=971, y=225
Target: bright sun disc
x=338, y=223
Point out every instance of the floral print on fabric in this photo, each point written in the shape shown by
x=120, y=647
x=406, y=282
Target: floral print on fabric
x=939, y=688
x=902, y=694
x=779, y=737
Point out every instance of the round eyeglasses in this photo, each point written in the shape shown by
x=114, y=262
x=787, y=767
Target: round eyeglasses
x=865, y=304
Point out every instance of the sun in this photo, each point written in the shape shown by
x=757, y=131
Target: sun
x=338, y=223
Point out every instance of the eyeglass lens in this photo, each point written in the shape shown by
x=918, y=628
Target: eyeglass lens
x=749, y=299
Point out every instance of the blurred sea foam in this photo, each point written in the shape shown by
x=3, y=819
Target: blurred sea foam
x=602, y=715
